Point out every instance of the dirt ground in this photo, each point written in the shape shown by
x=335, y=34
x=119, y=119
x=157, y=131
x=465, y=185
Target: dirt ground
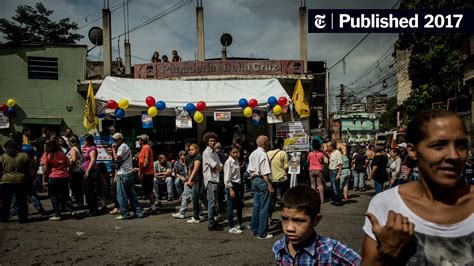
x=159, y=239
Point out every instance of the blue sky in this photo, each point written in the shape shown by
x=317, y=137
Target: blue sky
x=263, y=28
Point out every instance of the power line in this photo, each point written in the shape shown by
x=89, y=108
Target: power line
x=160, y=15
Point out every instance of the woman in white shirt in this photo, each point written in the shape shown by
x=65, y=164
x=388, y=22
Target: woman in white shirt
x=395, y=167
x=429, y=221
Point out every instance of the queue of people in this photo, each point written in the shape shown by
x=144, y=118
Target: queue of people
x=428, y=221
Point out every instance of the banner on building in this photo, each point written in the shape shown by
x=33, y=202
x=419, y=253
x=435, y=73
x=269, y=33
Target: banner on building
x=294, y=134
x=147, y=121
x=183, y=120
x=4, y=121
x=222, y=116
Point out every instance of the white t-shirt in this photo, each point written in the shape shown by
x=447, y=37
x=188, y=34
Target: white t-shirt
x=126, y=154
x=437, y=244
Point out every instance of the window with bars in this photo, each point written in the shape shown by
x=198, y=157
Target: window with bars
x=42, y=68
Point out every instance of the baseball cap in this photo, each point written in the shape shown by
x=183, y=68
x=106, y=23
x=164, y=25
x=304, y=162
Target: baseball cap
x=402, y=145
x=117, y=136
x=143, y=137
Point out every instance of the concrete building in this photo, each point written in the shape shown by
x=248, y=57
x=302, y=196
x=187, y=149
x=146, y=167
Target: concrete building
x=377, y=103
x=356, y=108
x=355, y=127
x=43, y=79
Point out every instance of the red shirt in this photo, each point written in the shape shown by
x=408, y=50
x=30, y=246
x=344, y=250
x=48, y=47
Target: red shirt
x=316, y=160
x=57, y=164
x=146, y=152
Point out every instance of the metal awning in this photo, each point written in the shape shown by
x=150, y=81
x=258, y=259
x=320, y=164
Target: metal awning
x=51, y=121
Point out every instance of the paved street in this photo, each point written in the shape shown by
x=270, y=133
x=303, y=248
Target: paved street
x=160, y=238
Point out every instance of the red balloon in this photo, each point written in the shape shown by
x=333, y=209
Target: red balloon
x=3, y=107
x=253, y=103
x=150, y=101
x=200, y=106
x=282, y=101
x=111, y=104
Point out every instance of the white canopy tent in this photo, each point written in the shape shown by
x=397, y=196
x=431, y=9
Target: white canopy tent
x=219, y=95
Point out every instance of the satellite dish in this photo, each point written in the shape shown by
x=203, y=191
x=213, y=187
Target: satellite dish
x=226, y=39
x=95, y=36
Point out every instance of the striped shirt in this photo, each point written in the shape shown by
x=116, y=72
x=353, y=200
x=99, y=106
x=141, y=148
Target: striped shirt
x=320, y=250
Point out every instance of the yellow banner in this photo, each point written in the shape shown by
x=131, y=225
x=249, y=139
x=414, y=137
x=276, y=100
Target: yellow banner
x=301, y=105
x=90, y=118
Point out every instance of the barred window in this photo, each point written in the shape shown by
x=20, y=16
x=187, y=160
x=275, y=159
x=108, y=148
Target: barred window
x=42, y=68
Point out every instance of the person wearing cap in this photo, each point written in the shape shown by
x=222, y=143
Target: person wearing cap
x=124, y=178
x=180, y=170
x=146, y=170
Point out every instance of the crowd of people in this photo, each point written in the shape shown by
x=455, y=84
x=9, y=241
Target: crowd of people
x=429, y=220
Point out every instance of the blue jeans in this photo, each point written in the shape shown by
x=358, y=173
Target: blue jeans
x=90, y=190
x=359, y=179
x=126, y=192
x=196, y=196
x=186, y=197
x=378, y=186
x=261, y=204
x=6, y=193
x=169, y=186
x=212, y=189
x=336, y=191
x=235, y=201
x=33, y=196
x=58, y=191
x=282, y=187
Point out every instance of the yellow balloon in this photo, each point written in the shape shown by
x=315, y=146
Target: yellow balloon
x=11, y=102
x=248, y=111
x=198, y=117
x=123, y=103
x=277, y=109
x=152, y=111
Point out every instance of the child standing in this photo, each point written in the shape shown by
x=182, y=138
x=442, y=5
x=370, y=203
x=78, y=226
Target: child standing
x=301, y=245
x=232, y=182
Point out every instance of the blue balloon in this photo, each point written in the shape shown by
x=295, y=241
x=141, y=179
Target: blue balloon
x=160, y=105
x=119, y=113
x=190, y=108
x=101, y=115
x=11, y=111
x=243, y=103
x=272, y=101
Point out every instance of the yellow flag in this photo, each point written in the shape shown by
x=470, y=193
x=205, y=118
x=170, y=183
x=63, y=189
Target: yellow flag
x=301, y=106
x=90, y=118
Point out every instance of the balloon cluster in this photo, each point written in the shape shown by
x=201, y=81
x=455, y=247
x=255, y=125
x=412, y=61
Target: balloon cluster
x=118, y=107
x=8, y=107
x=154, y=107
x=277, y=104
x=196, y=111
x=248, y=106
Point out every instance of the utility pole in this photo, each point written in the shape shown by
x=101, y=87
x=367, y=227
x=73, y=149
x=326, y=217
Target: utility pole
x=340, y=111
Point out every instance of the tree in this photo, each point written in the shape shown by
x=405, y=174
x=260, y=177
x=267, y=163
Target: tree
x=434, y=67
x=33, y=25
x=388, y=120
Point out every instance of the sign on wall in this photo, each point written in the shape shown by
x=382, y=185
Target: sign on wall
x=218, y=68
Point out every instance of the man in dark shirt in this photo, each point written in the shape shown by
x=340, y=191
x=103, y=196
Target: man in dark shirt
x=379, y=169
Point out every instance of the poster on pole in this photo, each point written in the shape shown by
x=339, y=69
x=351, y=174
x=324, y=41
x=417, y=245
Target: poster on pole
x=294, y=134
x=183, y=120
x=294, y=163
x=4, y=121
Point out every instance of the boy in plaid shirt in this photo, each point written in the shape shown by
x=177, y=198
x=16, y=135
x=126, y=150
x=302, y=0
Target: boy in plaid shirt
x=301, y=245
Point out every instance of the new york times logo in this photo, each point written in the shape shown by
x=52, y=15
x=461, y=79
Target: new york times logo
x=319, y=21
x=388, y=20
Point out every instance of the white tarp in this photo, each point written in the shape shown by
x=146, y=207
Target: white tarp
x=217, y=94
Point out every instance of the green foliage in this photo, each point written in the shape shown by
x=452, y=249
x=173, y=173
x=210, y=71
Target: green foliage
x=388, y=120
x=33, y=25
x=434, y=67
